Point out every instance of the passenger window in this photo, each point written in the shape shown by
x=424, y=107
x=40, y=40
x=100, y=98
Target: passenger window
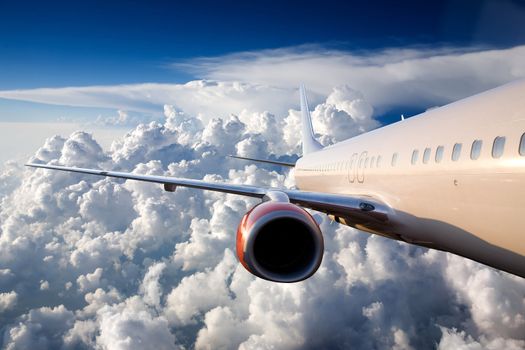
x=522, y=145
x=439, y=153
x=378, y=163
x=366, y=162
x=498, y=147
x=456, y=151
x=415, y=154
x=394, y=159
x=426, y=155
x=372, y=162
x=476, y=149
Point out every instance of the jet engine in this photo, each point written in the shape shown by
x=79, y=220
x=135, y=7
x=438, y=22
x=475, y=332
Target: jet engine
x=280, y=242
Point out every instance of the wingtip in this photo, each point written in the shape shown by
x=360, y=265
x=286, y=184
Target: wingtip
x=35, y=165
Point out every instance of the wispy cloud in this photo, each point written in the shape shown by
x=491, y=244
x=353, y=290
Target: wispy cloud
x=414, y=76
x=267, y=80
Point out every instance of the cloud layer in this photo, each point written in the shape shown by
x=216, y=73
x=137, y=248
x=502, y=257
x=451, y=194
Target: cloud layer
x=268, y=80
x=100, y=263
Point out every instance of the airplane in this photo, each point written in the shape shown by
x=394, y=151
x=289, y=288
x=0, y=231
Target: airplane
x=451, y=178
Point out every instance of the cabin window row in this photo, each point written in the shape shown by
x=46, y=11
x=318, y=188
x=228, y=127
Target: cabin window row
x=498, y=148
x=372, y=162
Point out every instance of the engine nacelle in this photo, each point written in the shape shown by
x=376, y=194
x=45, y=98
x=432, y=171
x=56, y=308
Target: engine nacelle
x=280, y=242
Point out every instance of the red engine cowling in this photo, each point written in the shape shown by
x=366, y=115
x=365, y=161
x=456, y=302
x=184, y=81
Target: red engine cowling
x=280, y=242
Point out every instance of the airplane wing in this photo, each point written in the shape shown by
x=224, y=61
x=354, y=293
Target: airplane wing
x=354, y=209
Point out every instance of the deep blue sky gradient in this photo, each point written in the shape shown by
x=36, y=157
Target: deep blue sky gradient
x=77, y=43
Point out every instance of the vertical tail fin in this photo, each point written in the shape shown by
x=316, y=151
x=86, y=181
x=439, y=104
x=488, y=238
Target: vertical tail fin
x=310, y=144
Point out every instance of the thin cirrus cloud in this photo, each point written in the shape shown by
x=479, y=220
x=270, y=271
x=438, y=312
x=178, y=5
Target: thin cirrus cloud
x=268, y=80
x=127, y=265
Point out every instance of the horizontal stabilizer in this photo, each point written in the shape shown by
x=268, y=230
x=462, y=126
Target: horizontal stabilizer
x=291, y=165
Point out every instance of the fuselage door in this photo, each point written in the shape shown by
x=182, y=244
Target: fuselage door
x=352, y=167
x=360, y=168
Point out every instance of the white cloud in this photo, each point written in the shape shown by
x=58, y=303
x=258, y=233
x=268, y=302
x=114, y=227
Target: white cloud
x=200, y=292
x=222, y=330
x=133, y=266
x=454, y=339
x=9, y=179
x=267, y=80
x=497, y=305
x=7, y=300
x=89, y=281
x=39, y=329
x=99, y=203
x=44, y=285
x=123, y=119
x=131, y=325
x=417, y=76
x=151, y=288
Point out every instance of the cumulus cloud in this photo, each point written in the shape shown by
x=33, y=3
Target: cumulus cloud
x=454, y=339
x=151, y=288
x=7, y=300
x=123, y=119
x=40, y=328
x=267, y=81
x=89, y=281
x=131, y=325
x=88, y=262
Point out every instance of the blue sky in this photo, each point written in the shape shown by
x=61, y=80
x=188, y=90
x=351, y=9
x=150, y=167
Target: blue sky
x=64, y=43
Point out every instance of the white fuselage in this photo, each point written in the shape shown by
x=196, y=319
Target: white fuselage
x=473, y=206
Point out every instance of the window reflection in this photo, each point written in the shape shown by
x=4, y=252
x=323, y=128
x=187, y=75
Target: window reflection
x=498, y=147
x=439, y=153
x=456, y=152
x=476, y=149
